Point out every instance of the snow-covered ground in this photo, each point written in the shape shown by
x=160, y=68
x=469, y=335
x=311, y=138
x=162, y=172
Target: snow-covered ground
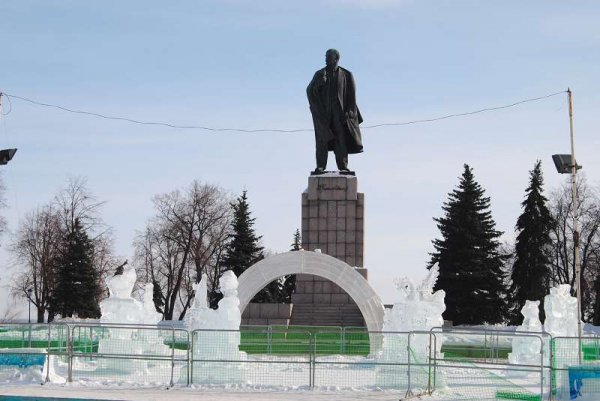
x=177, y=394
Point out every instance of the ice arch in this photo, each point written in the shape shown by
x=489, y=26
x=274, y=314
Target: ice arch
x=262, y=273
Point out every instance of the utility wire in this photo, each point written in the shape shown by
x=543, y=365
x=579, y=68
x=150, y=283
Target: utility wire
x=468, y=113
x=214, y=129
x=2, y=113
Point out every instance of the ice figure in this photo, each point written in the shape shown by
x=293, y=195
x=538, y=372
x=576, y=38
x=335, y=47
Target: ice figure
x=151, y=316
x=121, y=285
x=561, y=312
x=526, y=350
x=418, y=308
x=199, y=314
x=201, y=294
x=229, y=311
x=561, y=321
x=121, y=308
x=226, y=317
x=217, y=335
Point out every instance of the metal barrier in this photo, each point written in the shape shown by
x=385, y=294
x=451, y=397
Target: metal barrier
x=149, y=354
x=466, y=363
x=256, y=358
x=28, y=345
x=481, y=367
x=575, y=367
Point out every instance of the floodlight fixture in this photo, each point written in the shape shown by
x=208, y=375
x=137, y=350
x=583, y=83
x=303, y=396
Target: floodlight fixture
x=564, y=164
x=6, y=155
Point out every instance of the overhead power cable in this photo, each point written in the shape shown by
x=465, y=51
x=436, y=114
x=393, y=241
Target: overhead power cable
x=200, y=127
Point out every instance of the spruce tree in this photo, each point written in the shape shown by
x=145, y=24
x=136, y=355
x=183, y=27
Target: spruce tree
x=468, y=256
x=297, y=242
x=289, y=284
x=531, y=269
x=244, y=248
x=77, y=289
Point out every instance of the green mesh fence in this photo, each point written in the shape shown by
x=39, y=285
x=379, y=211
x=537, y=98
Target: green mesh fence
x=467, y=364
x=140, y=354
x=257, y=358
x=481, y=366
x=576, y=368
x=32, y=336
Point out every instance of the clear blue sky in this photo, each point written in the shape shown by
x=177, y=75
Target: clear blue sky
x=246, y=64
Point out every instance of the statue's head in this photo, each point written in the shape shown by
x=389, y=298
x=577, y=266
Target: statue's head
x=332, y=57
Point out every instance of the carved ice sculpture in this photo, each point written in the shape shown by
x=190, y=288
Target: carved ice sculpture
x=151, y=316
x=418, y=308
x=198, y=316
x=561, y=312
x=561, y=321
x=121, y=308
x=526, y=350
x=217, y=336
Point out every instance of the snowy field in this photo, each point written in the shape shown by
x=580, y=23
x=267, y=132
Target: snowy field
x=177, y=394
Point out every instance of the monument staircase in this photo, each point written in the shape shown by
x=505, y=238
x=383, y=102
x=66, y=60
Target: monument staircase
x=343, y=315
x=320, y=302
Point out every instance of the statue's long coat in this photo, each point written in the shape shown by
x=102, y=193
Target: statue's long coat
x=346, y=91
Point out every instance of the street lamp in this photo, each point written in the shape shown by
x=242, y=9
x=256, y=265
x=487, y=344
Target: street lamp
x=6, y=155
x=29, y=291
x=567, y=164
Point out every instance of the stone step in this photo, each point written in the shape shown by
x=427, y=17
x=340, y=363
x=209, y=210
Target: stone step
x=326, y=315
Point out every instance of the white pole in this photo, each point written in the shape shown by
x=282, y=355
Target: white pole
x=575, y=225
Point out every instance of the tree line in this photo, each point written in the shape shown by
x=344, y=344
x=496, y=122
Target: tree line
x=65, y=251
x=488, y=281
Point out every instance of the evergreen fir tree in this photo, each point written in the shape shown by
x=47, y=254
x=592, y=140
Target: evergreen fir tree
x=244, y=248
x=531, y=269
x=468, y=256
x=297, y=244
x=77, y=290
x=289, y=285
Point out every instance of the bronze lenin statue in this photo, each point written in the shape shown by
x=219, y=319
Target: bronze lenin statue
x=336, y=118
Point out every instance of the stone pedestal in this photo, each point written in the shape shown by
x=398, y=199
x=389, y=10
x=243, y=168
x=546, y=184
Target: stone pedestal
x=333, y=217
x=332, y=221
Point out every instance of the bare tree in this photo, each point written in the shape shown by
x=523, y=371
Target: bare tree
x=37, y=246
x=75, y=202
x=562, y=251
x=181, y=242
x=39, y=241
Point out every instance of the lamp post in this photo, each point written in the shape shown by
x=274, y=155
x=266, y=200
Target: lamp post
x=566, y=164
x=29, y=291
